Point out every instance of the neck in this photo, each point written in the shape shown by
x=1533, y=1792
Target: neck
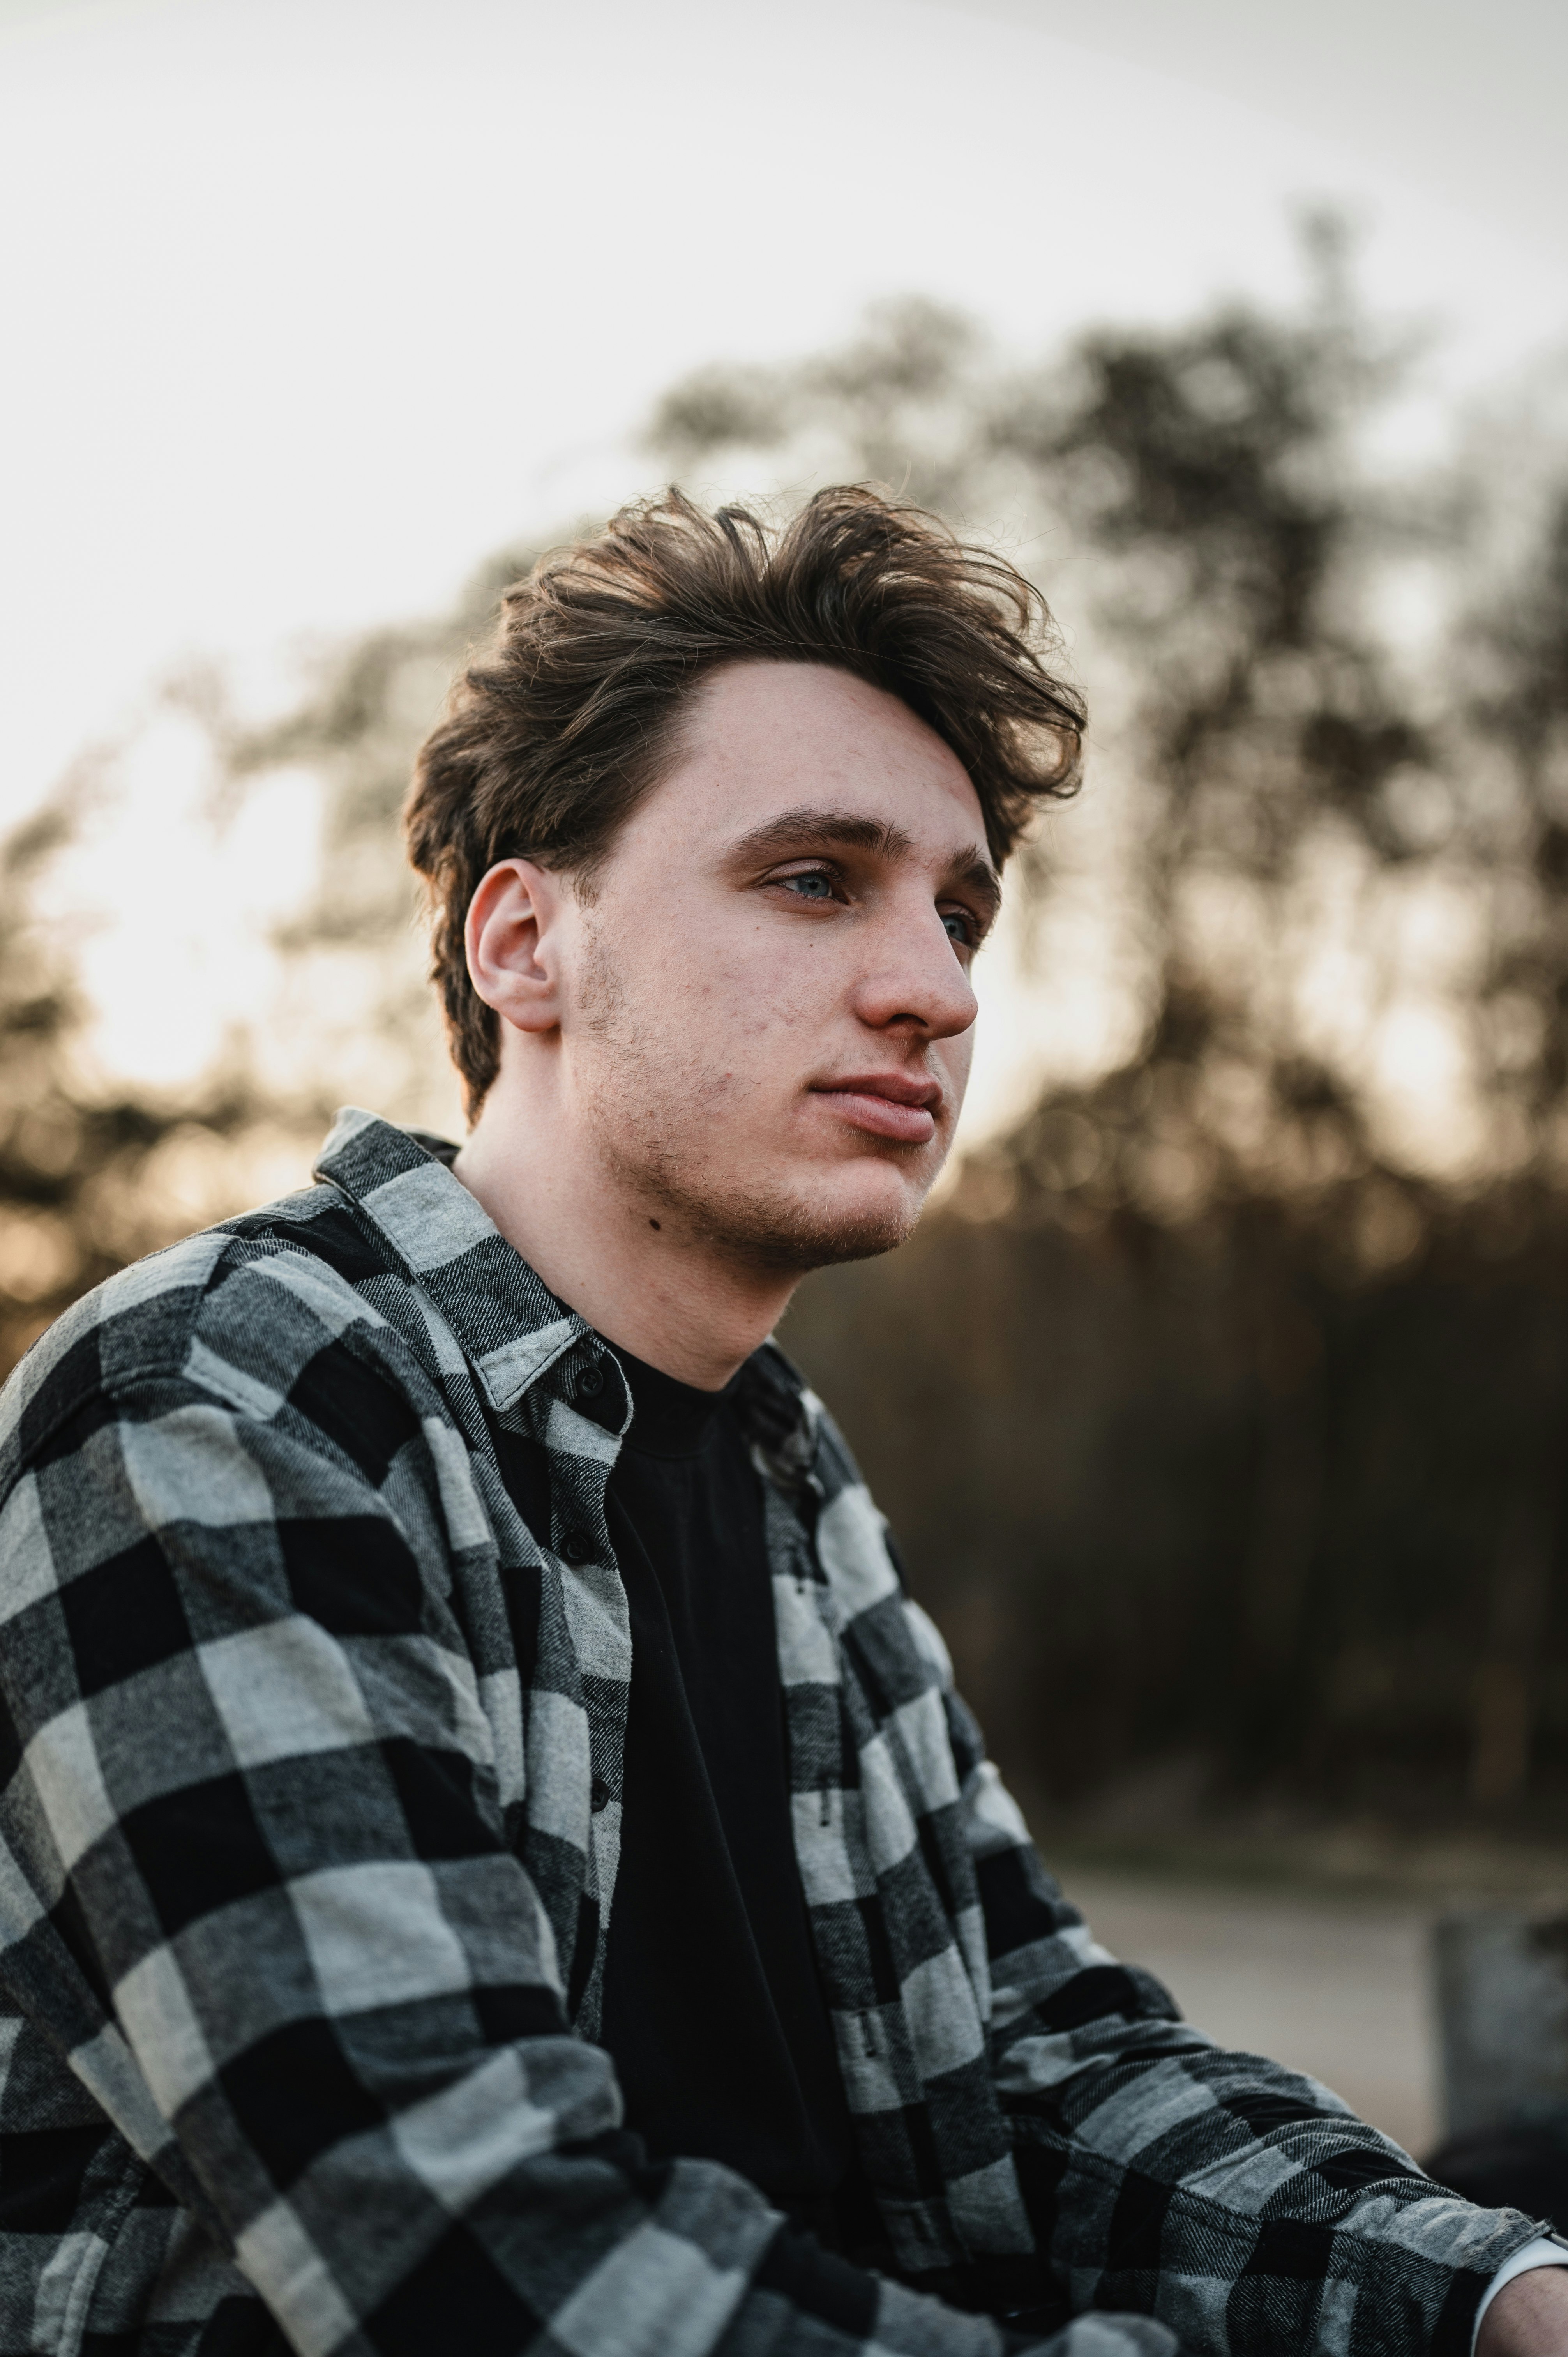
x=638, y=1272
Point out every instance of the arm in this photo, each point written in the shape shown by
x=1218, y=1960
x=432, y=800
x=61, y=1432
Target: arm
x=1525, y=2313
x=296, y=1961
x=1241, y=2203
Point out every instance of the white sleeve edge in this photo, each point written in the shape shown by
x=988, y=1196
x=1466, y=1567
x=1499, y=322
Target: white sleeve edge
x=1543, y=2253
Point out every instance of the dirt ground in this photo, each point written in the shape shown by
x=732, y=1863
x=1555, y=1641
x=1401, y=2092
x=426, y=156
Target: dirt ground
x=1335, y=1985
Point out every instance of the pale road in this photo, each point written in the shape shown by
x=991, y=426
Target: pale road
x=1337, y=1985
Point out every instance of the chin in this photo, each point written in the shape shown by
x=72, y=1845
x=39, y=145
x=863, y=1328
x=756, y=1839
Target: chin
x=872, y=1218
x=854, y=1215
x=861, y=1236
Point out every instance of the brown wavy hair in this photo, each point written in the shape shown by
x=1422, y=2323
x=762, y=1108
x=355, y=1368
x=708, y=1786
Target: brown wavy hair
x=551, y=737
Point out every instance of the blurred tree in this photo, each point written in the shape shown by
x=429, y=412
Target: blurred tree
x=91, y=1177
x=1217, y=536
x=1226, y=1493
x=357, y=986
x=1222, y=1402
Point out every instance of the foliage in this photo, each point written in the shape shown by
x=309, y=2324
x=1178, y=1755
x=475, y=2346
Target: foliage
x=1220, y=1407
x=1218, y=1404
x=1309, y=801
x=90, y=1176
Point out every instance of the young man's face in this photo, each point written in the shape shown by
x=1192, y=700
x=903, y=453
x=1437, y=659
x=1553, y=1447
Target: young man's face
x=767, y=1015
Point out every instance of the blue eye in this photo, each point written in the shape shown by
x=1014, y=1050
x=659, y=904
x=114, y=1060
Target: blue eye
x=959, y=930
x=810, y=888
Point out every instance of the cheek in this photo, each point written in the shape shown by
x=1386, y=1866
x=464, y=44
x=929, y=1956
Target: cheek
x=703, y=1035
x=717, y=1002
x=762, y=984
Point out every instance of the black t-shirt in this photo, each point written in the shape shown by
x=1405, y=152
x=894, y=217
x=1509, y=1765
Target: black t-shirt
x=713, y=2010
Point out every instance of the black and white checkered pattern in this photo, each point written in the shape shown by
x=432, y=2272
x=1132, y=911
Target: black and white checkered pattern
x=308, y=1834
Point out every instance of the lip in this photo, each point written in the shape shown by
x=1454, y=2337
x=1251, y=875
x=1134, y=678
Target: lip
x=887, y=1104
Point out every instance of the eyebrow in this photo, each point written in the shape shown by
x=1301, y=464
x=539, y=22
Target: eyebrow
x=796, y=830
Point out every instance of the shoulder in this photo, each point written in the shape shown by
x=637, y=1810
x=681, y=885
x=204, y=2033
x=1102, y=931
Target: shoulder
x=240, y=1312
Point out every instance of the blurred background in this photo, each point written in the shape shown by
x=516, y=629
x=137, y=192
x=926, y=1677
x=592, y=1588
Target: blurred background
x=1220, y=1404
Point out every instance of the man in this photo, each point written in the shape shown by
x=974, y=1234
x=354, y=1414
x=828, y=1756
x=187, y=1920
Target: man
x=492, y=1859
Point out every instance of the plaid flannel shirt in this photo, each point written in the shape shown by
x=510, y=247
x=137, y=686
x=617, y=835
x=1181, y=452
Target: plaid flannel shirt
x=308, y=1832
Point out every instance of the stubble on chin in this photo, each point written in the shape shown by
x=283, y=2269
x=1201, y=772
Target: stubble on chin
x=788, y=1237
x=654, y=1108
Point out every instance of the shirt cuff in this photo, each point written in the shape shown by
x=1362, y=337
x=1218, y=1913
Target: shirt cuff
x=1546, y=2251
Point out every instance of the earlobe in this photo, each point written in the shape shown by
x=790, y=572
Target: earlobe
x=512, y=940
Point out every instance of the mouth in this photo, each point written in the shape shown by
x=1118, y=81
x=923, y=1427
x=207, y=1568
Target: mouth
x=887, y=1104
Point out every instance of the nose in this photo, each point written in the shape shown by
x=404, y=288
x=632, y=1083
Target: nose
x=913, y=979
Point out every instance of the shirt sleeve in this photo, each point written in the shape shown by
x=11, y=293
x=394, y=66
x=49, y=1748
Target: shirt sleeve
x=1241, y=2203
x=254, y=1881
x=1546, y=2251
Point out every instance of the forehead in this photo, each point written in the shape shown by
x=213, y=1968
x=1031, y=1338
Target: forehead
x=757, y=737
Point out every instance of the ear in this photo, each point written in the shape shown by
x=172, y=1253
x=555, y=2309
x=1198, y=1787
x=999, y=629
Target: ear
x=513, y=941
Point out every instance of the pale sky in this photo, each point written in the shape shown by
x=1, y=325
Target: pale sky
x=309, y=304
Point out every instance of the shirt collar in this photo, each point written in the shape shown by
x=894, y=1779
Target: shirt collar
x=507, y=1323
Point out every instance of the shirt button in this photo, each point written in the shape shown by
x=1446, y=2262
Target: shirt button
x=599, y=1794
x=588, y=1381
x=577, y=1546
